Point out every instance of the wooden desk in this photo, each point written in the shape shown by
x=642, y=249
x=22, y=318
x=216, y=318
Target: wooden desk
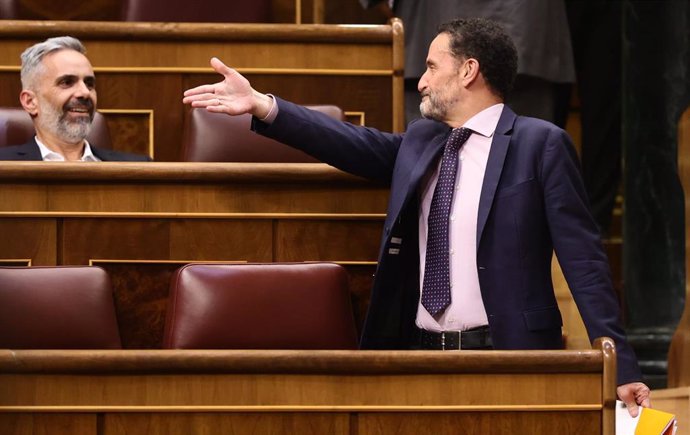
x=143, y=68
x=140, y=221
x=307, y=392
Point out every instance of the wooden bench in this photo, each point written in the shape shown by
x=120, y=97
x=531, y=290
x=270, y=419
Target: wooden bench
x=308, y=392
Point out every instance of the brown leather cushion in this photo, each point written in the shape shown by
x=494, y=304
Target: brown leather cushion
x=214, y=137
x=207, y=11
x=60, y=307
x=8, y=10
x=260, y=306
x=16, y=128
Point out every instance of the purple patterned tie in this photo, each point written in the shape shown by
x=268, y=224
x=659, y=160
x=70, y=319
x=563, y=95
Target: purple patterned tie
x=436, y=285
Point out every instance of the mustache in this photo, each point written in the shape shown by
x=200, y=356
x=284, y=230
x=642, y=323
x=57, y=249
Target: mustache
x=80, y=103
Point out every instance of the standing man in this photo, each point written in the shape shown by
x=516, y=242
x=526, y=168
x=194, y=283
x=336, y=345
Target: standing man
x=480, y=198
x=59, y=92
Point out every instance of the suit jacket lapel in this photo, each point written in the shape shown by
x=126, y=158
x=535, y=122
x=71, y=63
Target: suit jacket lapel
x=103, y=154
x=494, y=167
x=428, y=155
x=29, y=151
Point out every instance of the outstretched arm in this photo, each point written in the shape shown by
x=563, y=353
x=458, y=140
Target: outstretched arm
x=233, y=95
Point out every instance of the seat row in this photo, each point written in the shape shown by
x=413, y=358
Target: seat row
x=210, y=306
x=208, y=137
x=209, y=11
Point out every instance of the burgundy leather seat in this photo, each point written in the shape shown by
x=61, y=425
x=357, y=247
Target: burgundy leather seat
x=16, y=128
x=207, y=11
x=61, y=307
x=260, y=306
x=8, y=9
x=214, y=137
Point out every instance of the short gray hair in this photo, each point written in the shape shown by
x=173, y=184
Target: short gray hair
x=32, y=56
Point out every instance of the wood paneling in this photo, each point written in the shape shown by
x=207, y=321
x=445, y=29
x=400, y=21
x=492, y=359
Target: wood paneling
x=238, y=423
x=159, y=93
x=494, y=423
x=679, y=352
x=166, y=239
x=131, y=130
x=30, y=238
x=47, y=424
x=69, y=9
x=287, y=392
x=328, y=240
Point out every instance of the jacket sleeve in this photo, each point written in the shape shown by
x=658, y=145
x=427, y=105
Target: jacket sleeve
x=579, y=250
x=361, y=151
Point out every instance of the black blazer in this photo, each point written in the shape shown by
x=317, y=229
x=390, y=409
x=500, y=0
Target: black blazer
x=30, y=152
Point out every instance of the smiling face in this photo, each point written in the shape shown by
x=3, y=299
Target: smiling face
x=440, y=86
x=62, y=96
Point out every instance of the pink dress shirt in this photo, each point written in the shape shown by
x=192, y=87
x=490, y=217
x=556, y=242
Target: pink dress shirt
x=466, y=309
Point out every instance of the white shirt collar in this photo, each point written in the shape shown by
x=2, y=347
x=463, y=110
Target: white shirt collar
x=49, y=155
x=485, y=122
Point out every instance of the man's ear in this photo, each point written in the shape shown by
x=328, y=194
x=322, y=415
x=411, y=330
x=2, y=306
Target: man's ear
x=29, y=102
x=469, y=71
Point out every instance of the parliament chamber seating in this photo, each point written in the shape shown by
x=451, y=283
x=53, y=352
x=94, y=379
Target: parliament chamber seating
x=63, y=307
x=16, y=128
x=260, y=306
x=217, y=137
x=208, y=11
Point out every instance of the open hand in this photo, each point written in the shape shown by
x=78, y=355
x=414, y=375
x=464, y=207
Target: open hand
x=234, y=95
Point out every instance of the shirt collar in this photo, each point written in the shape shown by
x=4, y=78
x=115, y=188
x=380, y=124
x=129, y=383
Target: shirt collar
x=49, y=155
x=485, y=122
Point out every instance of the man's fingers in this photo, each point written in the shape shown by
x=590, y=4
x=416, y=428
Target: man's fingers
x=196, y=98
x=634, y=394
x=646, y=403
x=627, y=396
x=203, y=89
x=206, y=103
x=221, y=68
x=633, y=409
x=233, y=95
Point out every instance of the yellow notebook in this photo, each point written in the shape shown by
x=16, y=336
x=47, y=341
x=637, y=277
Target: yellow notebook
x=648, y=422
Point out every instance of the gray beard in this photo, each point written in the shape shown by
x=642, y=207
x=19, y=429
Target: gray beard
x=433, y=113
x=69, y=131
x=434, y=109
x=73, y=131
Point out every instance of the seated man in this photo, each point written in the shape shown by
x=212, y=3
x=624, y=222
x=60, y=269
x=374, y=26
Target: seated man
x=59, y=92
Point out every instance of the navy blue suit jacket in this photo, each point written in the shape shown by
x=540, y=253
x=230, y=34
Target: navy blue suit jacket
x=532, y=203
x=30, y=152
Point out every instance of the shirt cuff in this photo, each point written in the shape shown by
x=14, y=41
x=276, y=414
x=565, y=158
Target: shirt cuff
x=273, y=113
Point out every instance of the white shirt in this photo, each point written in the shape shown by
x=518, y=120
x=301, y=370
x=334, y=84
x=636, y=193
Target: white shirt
x=466, y=309
x=49, y=155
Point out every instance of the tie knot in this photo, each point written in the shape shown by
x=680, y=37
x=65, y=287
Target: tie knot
x=458, y=137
